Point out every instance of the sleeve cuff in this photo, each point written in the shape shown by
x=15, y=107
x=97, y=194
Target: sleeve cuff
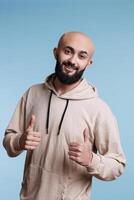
x=15, y=144
x=94, y=166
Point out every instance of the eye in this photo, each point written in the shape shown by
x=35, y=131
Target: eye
x=82, y=56
x=67, y=51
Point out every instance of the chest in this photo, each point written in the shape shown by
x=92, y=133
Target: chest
x=71, y=117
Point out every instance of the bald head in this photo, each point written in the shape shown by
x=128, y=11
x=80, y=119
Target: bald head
x=73, y=56
x=84, y=42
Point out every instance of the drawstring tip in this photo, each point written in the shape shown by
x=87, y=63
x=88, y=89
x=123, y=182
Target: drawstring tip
x=46, y=131
x=58, y=133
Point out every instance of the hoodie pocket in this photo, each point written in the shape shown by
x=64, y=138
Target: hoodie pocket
x=31, y=182
x=41, y=184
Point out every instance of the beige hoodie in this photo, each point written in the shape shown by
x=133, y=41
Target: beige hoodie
x=48, y=173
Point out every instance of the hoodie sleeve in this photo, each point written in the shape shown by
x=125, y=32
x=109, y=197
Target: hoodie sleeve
x=15, y=129
x=109, y=161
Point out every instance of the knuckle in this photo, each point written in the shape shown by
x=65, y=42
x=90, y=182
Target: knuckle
x=28, y=131
x=77, y=155
x=80, y=148
x=27, y=142
x=25, y=146
x=78, y=159
x=35, y=144
x=28, y=137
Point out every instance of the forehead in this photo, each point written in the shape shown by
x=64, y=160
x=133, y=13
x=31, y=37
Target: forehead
x=77, y=41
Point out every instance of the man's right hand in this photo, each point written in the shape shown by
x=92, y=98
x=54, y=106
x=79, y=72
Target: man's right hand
x=31, y=139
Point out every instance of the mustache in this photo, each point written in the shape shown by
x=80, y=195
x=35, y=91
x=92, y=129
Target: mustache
x=70, y=65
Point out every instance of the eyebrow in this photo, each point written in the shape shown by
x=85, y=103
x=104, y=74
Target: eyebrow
x=72, y=49
x=84, y=52
x=68, y=47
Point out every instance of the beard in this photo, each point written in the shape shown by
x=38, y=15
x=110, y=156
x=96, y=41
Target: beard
x=67, y=79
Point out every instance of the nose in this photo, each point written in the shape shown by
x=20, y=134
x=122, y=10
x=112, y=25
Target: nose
x=73, y=59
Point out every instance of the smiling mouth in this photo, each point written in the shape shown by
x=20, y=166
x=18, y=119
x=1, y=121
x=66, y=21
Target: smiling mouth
x=69, y=69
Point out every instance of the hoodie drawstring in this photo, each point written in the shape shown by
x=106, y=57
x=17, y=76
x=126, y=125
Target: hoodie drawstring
x=62, y=117
x=48, y=113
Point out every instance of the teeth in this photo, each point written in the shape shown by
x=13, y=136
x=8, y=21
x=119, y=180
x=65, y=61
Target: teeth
x=69, y=69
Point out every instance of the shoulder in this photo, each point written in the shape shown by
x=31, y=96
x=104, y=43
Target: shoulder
x=37, y=87
x=98, y=104
x=101, y=104
x=103, y=110
x=35, y=91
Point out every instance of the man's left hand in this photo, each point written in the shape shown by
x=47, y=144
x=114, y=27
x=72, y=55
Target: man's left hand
x=80, y=152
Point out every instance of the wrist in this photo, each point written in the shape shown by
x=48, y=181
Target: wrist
x=19, y=143
x=15, y=143
x=90, y=159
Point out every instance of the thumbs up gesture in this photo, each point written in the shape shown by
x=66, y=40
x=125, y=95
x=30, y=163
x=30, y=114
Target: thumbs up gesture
x=81, y=152
x=30, y=139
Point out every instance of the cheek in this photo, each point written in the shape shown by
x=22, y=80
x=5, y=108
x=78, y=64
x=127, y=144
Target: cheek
x=83, y=64
x=62, y=57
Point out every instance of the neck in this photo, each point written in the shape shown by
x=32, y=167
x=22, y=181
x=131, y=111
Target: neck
x=62, y=88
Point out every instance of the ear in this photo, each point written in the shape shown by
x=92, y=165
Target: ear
x=55, y=52
x=89, y=63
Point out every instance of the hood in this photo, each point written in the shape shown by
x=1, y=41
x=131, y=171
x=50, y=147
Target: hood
x=82, y=92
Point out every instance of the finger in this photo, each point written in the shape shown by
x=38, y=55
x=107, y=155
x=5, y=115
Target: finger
x=75, y=154
x=35, y=134
x=74, y=144
x=32, y=143
x=86, y=135
x=28, y=147
x=33, y=138
x=76, y=159
x=32, y=122
x=76, y=149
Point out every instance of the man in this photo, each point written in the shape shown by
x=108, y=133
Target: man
x=69, y=133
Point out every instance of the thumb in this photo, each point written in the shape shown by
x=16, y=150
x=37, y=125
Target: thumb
x=86, y=135
x=32, y=122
